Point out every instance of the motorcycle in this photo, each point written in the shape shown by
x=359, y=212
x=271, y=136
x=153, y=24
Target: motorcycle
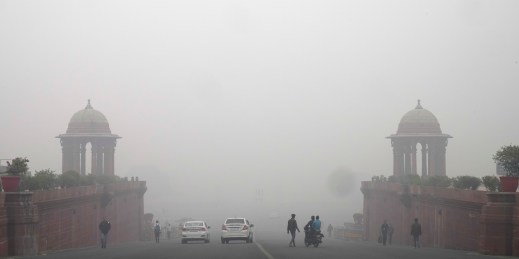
x=313, y=238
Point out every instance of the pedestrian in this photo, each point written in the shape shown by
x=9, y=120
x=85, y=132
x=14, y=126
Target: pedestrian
x=383, y=231
x=330, y=229
x=416, y=232
x=104, y=227
x=168, y=231
x=157, y=231
x=390, y=233
x=292, y=227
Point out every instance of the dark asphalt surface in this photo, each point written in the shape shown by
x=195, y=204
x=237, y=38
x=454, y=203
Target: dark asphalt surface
x=266, y=246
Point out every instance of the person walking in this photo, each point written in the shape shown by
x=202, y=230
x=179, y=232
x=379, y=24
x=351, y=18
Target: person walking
x=330, y=229
x=104, y=227
x=168, y=231
x=390, y=234
x=292, y=227
x=157, y=231
x=383, y=231
x=416, y=232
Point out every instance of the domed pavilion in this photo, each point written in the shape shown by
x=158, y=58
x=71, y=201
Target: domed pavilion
x=419, y=126
x=88, y=126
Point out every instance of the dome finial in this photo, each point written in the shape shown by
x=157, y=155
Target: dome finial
x=88, y=105
x=419, y=106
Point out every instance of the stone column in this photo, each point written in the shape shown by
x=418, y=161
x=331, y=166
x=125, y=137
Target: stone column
x=76, y=156
x=100, y=159
x=109, y=151
x=497, y=224
x=398, y=157
x=442, y=165
x=413, y=155
x=66, y=157
x=424, y=159
x=407, y=159
x=83, y=158
x=431, y=160
x=22, y=220
x=94, y=158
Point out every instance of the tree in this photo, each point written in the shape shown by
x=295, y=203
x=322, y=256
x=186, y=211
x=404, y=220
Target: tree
x=437, y=181
x=70, y=178
x=466, y=182
x=491, y=183
x=508, y=158
x=18, y=166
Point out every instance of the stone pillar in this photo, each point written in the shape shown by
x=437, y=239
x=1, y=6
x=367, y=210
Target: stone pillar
x=76, y=156
x=442, y=165
x=431, y=160
x=83, y=159
x=94, y=158
x=413, y=161
x=22, y=220
x=100, y=159
x=67, y=162
x=109, y=159
x=496, y=236
x=424, y=159
x=398, y=158
x=407, y=160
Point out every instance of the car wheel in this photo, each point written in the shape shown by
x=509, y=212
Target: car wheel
x=184, y=241
x=206, y=241
x=227, y=241
x=223, y=241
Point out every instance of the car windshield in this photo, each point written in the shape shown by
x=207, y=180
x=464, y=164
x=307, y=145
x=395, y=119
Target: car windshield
x=194, y=224
x=235, y=221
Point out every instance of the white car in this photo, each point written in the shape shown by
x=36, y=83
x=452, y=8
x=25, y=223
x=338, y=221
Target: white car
x=195, y=231
x=237, y=229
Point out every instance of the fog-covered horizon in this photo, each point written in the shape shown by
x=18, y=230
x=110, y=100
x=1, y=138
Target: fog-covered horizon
x=219, y=100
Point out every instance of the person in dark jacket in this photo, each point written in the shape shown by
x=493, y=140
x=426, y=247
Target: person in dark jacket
x=308, y=227
x=292, y=227
x=416, y=232
x=383, y=231
x=104, y=227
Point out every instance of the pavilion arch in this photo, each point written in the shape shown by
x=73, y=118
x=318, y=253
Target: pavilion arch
x=88, y=126
x=419, y=128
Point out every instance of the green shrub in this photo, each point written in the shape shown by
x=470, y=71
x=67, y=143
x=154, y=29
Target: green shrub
x=70, y=179
x=413, y=179
x=491, y=183
x=437, y=181
x=466, y=182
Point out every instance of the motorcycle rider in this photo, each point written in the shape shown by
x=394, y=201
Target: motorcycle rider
x=316, y=226
x=308, y=227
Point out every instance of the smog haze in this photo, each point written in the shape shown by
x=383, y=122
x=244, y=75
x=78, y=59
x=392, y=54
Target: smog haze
x=259, y=108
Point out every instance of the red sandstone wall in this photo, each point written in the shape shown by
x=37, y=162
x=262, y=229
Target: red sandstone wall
x=69, y=218
x=450, y=218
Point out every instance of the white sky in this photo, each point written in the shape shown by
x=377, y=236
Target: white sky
x=260, y=92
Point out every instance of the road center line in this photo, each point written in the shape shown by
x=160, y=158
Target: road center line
x=269, y=256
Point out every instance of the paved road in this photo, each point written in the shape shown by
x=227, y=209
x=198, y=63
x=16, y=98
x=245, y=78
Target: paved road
x=266, y=246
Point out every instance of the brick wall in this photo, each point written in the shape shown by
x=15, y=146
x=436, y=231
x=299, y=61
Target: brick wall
x=69, y=218
x=450, y=218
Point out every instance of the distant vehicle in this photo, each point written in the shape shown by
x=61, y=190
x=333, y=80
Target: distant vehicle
x=195, y=231
x=237, y=229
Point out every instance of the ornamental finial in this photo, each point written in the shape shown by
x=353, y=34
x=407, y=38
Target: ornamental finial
x=88, y=105
x=419, y=106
